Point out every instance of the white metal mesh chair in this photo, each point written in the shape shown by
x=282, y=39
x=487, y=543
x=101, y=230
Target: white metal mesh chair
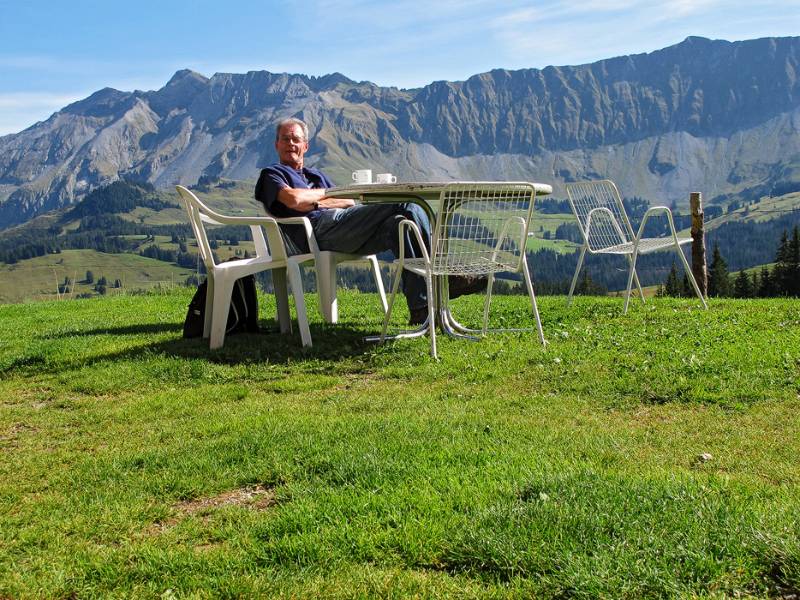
x=222, y=276
x=481, y=229
x=326, y=262
x=606, y=229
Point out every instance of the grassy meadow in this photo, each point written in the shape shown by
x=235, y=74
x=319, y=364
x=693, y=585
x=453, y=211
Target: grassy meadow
x=653, y=454
x=39, y=278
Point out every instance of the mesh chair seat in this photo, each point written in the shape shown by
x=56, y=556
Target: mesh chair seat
x=443, y=266
x=646, y=245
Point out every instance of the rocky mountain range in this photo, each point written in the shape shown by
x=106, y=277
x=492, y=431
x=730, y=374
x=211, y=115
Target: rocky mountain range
x=703, y=115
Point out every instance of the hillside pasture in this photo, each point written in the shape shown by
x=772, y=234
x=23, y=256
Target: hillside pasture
x=38, y=278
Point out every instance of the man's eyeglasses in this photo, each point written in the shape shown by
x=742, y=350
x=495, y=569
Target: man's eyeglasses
x=291, y=139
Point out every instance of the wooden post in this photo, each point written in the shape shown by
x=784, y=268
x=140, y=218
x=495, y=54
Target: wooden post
x=699, y=269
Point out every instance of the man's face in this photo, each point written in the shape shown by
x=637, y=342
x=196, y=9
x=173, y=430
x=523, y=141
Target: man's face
x=291, y=145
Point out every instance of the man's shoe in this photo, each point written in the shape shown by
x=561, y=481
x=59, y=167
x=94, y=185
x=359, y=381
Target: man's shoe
x=461, y=285
x=417, y=316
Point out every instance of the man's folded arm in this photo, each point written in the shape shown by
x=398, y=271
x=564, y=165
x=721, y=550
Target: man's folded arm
x=307, y=200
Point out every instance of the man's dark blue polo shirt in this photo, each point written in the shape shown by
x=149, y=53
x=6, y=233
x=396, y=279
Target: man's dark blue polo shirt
x=277, y=177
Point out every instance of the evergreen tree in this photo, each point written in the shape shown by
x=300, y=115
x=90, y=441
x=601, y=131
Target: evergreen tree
x=766, y=288
x=687, y=291
x=793, y=271
x=742, y=287
x=671, y=285
x=89, y=277
x=780, y=274
x=719, y=284
x=587, y=287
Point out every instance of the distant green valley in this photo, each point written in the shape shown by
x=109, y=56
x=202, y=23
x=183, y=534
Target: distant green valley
x=135, y=237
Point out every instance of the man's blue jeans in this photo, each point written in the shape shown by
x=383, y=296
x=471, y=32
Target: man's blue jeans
x=371, y=229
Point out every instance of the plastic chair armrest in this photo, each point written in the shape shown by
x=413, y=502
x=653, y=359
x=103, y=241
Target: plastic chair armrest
x=306, y=224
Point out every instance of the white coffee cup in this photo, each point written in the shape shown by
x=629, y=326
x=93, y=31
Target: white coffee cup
x=385, y=178
x=362, y=176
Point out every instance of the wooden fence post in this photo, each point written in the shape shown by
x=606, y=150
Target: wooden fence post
x=699, y=269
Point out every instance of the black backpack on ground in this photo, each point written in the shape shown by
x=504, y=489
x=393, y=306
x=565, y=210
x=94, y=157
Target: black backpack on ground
x=242, y=316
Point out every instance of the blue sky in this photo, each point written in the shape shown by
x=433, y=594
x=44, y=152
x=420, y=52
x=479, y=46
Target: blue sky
x=55, y=52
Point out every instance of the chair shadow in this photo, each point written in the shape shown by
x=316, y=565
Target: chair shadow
x=330, y=343
x=124, y=330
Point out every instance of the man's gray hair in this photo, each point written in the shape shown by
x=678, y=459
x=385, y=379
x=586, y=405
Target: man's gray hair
x=291, y=121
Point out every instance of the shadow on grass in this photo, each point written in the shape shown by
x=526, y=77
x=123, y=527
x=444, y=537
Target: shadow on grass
x=140, y=329
x=330, y=343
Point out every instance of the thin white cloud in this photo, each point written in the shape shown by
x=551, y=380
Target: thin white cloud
x=563, y=33
x=35, y=100
x=19, y=111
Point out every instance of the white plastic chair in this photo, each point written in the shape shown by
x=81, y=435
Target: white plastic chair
x=480, y=229
x=325, y=263
x=222, y=276
x=606, y=229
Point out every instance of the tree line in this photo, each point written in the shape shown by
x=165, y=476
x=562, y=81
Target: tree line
x=742, y=244
x=781, y=280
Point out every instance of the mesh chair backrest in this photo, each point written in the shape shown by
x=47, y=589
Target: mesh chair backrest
x=195, y=208
x=482, y=228
x=609, y=225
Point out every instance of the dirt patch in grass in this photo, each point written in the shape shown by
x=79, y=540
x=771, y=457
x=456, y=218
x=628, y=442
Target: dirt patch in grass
x=9, y=437
x=780, y=582
x=254, y=497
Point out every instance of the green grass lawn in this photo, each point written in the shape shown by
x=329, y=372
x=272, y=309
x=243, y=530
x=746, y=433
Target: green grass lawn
x=653, y=454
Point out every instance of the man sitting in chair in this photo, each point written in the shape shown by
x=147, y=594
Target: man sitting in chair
x=289, y=189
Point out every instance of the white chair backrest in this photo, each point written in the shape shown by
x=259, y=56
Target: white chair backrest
x=600, y=213
x=198, y=215
x=482, y=228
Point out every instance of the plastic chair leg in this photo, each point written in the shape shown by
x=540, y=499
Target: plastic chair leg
x=223, y=289
x=326, y=286
x=209, y=306
x=282, y=299
x=296, y=281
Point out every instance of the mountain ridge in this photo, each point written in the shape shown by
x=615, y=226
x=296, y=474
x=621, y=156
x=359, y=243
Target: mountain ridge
x=711, y=115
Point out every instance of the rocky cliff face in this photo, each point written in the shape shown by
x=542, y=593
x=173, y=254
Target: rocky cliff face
x=703, y=115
